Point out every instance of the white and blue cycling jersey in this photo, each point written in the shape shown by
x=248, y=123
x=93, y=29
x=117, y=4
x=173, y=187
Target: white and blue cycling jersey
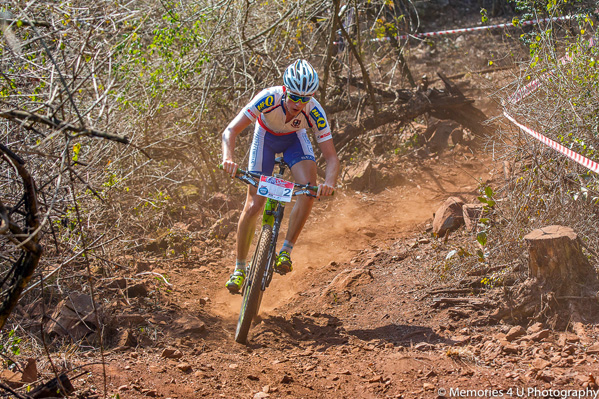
x=272, y=135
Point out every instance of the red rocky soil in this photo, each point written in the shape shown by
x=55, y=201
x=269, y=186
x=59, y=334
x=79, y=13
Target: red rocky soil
x=356, y=319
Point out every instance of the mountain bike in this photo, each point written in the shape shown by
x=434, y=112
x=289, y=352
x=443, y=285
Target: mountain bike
x=260, y=271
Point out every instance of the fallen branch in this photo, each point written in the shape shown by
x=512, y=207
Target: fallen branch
x=20, y=22
x=10, y=390
x=447, y=103
x=57, y=386
x=474, y=302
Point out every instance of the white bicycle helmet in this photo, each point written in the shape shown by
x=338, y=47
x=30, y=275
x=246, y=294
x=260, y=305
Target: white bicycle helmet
x=300, y=78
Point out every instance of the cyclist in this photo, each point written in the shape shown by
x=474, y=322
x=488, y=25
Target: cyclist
x=283, y=114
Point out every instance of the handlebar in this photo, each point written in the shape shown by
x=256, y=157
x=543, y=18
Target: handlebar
x=248, y=177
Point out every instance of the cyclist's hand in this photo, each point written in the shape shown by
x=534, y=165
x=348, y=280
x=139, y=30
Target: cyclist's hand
x=324, y=190
x=230, y=167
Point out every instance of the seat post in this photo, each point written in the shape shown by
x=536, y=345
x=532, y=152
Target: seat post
x=282, y=166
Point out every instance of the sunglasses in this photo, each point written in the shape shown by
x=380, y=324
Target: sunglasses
x=299, y=99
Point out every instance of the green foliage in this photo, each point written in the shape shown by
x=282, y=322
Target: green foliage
x=10, y=344
x=579, y=10
x=483, y=15
x=481, y=237
x=76, y=151
x=547, y=188
x=531, y=9
x=487, y=197
x=112, y=180
x=173, y=57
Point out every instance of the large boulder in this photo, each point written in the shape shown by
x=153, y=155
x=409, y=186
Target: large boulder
x=439, y=140
x=449, y=217
x=74, y=316
x=361, y=176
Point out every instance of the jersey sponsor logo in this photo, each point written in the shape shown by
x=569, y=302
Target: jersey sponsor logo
x=322, y=136
x=266, y=102
x=318, y=118
x=296, y=123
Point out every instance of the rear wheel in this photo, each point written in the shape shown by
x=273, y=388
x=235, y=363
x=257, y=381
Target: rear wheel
x=252, y=293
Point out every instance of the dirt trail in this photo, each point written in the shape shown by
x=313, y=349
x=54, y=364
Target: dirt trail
x=306, y=346
x=344, y=226
x=355, y=319
x=341, y=227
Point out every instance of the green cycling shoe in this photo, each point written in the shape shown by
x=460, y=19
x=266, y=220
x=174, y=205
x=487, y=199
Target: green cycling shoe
x=283, y=263
x=236, y=281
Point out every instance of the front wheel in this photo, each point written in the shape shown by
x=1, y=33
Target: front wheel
x=252, y=293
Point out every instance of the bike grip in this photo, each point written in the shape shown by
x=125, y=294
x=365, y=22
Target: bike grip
x=222, y=167
x=315, y=188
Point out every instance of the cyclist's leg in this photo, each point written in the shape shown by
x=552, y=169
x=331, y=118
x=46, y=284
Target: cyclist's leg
x=300, y=157
x=245, y=232
x=247, y=221
x=261, y=161
x=304, y=172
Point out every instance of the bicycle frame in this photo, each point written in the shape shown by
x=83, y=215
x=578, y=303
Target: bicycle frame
x=273, y=216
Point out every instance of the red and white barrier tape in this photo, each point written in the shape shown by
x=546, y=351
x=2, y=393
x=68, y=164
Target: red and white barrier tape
x=584, y=161
x=473, y=29
x=477, y=28
x=527, y=90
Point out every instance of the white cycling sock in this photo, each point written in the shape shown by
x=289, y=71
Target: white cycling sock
x=287, y=246
x=240, y=264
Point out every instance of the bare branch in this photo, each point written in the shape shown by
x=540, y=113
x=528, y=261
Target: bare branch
x=55, y=123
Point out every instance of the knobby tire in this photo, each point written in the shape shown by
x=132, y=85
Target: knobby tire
x=252, y=293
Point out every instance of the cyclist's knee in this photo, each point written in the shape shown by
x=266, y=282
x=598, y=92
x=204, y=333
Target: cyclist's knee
x=305, y=201
x=304, y=172
x=253, y=205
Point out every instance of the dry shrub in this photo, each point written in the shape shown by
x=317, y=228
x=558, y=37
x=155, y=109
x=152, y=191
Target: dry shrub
x=543, y=187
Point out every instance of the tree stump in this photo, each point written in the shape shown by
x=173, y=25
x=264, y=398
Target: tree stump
x=555, y=255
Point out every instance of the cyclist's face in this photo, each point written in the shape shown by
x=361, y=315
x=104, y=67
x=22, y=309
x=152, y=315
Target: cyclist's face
x=295, y=107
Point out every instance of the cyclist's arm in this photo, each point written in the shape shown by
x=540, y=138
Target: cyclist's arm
x=228, y=141
x=332, y=169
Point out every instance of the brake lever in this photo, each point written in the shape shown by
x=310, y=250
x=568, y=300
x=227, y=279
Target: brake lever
x=306, y=192
x=247, y=179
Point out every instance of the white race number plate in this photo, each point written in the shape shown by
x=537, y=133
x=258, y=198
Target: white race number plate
x=274, y=188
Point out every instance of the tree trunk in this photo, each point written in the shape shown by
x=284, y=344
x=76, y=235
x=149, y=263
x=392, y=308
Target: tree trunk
x=555, y=255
